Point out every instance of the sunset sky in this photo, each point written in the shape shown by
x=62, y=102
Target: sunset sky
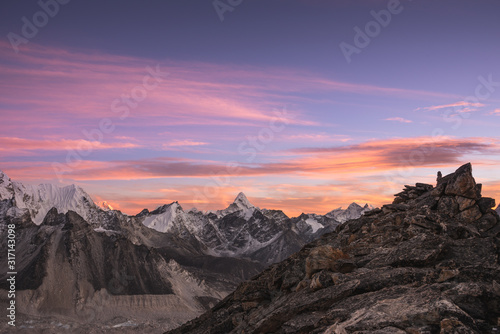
x=304, y=105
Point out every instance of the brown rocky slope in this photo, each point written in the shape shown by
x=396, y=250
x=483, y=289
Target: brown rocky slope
x=428, y=263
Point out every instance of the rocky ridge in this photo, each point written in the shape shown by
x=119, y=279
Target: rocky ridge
x=427, y=263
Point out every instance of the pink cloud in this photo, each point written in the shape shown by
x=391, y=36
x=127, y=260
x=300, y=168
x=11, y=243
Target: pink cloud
x=370, y=157
x=399, y=119
x=16, y=144
x=193, y=93
x=186, y=142
x=465, y=106
x=316, y=137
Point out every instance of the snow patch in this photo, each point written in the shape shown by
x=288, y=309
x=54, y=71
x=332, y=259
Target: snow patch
x=126, y=324
x=6, y=191
x=241, y=205
x=242, y=201
x=39, y=199
x=314, y=224
x=101, y=229
x=353, y=211
x=105, y=206
x=164, y=222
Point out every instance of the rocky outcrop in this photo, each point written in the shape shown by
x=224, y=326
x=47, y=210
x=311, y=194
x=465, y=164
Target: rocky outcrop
x=427, y=263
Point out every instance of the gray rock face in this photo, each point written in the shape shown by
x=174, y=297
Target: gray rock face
x=428, y=263
x=71, y=273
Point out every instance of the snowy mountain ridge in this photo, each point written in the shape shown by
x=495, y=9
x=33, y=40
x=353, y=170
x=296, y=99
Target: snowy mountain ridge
x=241, y=230
x=38, y=200
x=353, y=211
x=104, y=206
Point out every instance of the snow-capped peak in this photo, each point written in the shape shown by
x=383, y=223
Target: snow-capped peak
x=368, y=207
x=353, y=211
x=6, y=191
x=241, y=205
x=39, y=199
x=163, y=218
x=354, y=206
x=3, y=176
x=104, y=205
x=242, y=201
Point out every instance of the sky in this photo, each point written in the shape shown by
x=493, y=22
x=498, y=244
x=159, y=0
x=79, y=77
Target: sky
x=305, y=106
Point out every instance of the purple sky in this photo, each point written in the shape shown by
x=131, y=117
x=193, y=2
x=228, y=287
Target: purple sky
x=302, y=105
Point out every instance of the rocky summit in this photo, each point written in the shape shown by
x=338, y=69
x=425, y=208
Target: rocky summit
x=427, y=263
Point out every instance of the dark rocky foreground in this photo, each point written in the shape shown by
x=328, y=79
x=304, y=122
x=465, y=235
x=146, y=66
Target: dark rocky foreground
x=428, y=263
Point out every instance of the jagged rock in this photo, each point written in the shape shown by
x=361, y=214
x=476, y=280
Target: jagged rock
x=321, y=280
x=439, y=189
x=373, y=212
x=323, y=257
x=485, y=204
x=448, y=205
x=464, y=203
x=143, y=213
x=453, y=326
x=462, y=183
x=409, y=193
x=430, y=268
x=423, y=221
x=54, y=218
x=470, y=214
x=424, y=186
x=487, y=221
x=446, y=274
x=394, y=207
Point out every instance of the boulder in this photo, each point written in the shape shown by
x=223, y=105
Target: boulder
x=323, y=257
x=462, y=183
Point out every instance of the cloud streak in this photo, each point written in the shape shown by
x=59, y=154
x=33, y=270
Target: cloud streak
x=67, y=86
x=15, y=144
x=398, y=119
x=367, y=157
x=460, y=106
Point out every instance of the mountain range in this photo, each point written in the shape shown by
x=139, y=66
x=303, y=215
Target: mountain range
x=95, y=266
x=427, y=263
